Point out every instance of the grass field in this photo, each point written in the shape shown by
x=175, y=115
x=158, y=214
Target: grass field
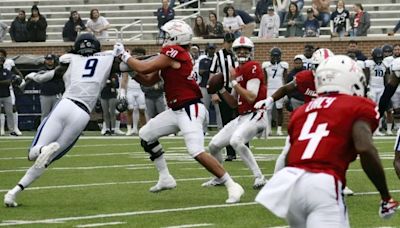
x=104, y=181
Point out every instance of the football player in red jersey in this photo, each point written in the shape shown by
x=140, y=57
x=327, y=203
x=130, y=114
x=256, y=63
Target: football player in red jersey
x=327, y=134
x=186, y=113
x=249, y=87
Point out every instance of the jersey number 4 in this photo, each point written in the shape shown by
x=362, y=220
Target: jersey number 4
x=313, y=137
x=90, y=67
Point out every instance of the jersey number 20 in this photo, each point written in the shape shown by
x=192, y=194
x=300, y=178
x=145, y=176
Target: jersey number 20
x=90, y=67
x=313, y=137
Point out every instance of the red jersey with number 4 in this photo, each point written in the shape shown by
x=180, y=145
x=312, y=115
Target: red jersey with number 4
x=305, y=85
x=321, y=133
x=179, y=84
x=246, y=72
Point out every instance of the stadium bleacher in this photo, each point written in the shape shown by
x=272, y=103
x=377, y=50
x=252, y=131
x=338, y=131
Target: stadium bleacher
x=136, y=19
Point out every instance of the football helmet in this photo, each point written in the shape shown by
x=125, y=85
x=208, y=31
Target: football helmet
x=387, y=50
x=340, y=74
x=377, y=55
x=86, y=44
x=319, y=56
x=239, y=47
x=177, y=32
x=276, y=55
x=122, y=105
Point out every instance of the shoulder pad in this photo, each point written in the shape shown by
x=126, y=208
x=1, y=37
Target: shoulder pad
x=367, y=63
x=285, y=65
x=266, y=64
x=395, y=65
x=66, y=58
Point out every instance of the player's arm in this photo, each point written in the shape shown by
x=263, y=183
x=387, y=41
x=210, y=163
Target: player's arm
x=281, y=92
x=230, y=99
x=396, y=163
x=250, y=92
x=16, y=71
x=390, y=89
x=370, y=162
x=367, y=73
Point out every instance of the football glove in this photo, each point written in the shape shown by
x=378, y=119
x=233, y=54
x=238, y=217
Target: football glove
x=118, y=49
x=388, y=208
x=122, y=94
x=264, y=103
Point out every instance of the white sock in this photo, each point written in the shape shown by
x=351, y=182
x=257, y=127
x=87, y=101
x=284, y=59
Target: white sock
x=104, y=126
x=279, y=128
x=2, y=121
x=15, y=115
x=162, y=167
x=389, y=126
x=117, y=124
x=30, y=176
x=227, y=180
x=129, y=127
x=135, y=120
x=17, y=189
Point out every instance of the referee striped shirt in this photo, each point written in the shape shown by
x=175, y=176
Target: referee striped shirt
x=222, y=60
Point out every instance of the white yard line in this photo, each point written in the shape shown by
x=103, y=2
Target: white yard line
x=190, y=225
x=100, y=224
x=121, y=214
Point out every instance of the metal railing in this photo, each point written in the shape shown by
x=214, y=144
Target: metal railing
x=135, y=23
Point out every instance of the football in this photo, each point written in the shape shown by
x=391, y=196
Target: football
x=215, y=83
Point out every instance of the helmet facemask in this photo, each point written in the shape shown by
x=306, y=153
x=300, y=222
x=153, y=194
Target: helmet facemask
x=243, y=54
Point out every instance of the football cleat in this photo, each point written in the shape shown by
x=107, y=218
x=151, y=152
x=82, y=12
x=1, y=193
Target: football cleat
x=388, y=208
x=119, y=132
x=212, y=182
x=2, y=132
x=17, y=131
x=234, y=193
x=347, y=191
x=45, y=153
x=164, y=184
x=259, y=182
x=279, y=133
x=9, y=200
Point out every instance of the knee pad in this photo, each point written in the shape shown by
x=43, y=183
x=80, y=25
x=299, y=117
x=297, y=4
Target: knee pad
x=235, y=142
x=154, y=149
x=213, y=148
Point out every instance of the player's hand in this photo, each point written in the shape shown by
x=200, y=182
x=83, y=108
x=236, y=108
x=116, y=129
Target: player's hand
x=388, y=208
x=264, y=103
x=215, y=99
x=119, y=49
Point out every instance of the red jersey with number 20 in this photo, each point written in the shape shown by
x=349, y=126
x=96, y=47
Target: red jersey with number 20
x=246, y=72
x=179, y=84
x=305, y=85
x=321, y=133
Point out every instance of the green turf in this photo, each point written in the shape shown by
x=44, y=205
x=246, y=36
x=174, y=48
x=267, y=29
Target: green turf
x=110, y=177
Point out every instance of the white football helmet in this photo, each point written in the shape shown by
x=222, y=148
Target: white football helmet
x=319, y=56
x=340, y=74
x=245, y=43
x=177, y=32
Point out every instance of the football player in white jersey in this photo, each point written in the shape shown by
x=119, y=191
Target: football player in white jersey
x=9, y=64
x=275, y=71
x=84, y=73
x=307, y=56
x=376, y=80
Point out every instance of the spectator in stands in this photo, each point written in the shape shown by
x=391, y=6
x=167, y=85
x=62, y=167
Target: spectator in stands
x=294, y=22
x=36, y=26
x=98, y=25
x=340, y=20
x=18, y=30
x=299, y=3
x=395, y=29
x=3, y=30
x=164, y=14
x=282, y=7
x=215, y=29
x=232, y=22
x=50, y=91
x=352, y=47
x=199, y=28
x=249, y=22
x=361, y=21
x=262, y=8
x=311, y=25
x=73, y=26
x=269, y=25
x=321, y=11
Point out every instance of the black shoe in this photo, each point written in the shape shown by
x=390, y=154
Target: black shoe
x=108, y=132
x=13, y=134
x=230, y=158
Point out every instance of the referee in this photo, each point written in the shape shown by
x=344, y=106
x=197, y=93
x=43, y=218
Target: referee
x=222, y=60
